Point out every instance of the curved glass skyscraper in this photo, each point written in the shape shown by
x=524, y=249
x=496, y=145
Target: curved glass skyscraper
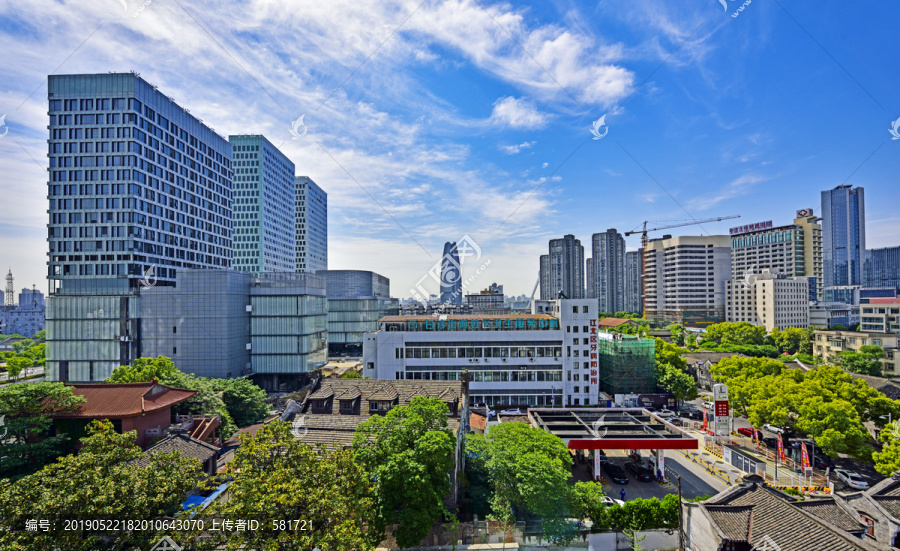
x=451, y=276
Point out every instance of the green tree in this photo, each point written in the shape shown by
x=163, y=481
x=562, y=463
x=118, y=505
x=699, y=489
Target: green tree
x=277, y=477
x=587, y=502
x=16, y=364
x=245, y=402
x=37, y=353
x=26, y=409
x=742, y=333
x=668, y=353
x=98, y=482
x=143, y=370
x=40, y=336
x=529, y=472
x=19, y=347
x=788, y=340
x=351, y=375
x=409, y=453
x=645, y=514
x=887, y=461
x=866, y=362
x=806, y=343
x=681, y=385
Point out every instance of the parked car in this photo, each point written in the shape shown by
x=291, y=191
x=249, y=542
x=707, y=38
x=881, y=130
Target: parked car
x=665, y=413
x=773, y=429
x=709, y=406
x=822, y=462
x=692, y=414
x=770, y=442
x=746, y=431
x=512, y=411
x=852, y=479
x=615, y=473
x=639, y=471
x=677, y=421
x=608, y=501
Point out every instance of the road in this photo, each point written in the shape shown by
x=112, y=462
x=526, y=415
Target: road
x=25, y=373
x=692, y=485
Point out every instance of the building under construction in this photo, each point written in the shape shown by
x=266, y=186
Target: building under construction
x=627, y=364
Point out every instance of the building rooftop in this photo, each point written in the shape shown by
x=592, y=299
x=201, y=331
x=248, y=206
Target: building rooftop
x=117, y=400
x=612, y=322
x=611, y=428
x=183, y=443
x=421, y=318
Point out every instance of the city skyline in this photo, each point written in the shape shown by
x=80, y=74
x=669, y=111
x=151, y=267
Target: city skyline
x=411, y=158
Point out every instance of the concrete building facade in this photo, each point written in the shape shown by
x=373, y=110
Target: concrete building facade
x=685, y=278
x=831, y=343
x=264, y=199
x=771, y=300
x=544, y=277
x=607, y=270
x=357, y=299
x=25, y=318
x=633, y=272
x=566, y=268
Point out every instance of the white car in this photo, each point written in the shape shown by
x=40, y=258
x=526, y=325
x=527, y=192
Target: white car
x=709, y=406
x=852, y=479
x=773, y=429
x=665, y=413
x=608, y=501
x=514, y=411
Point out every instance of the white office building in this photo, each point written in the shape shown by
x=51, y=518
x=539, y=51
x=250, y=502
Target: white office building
x=771, y=300
x=536, y=359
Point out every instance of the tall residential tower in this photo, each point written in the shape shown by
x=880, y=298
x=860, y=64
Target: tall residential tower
x=311, y=225
x=607, y=281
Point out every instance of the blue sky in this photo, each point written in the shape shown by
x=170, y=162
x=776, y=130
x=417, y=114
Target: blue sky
x=430, y=121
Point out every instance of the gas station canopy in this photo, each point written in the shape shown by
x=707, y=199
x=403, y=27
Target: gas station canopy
x=611, y=429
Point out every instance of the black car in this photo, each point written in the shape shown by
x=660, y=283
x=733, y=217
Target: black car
x=615, y=473
x=770, y=442
x=639, y=471
x=822, y=462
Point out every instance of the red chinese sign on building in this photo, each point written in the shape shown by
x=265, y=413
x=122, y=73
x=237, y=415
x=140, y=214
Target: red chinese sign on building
x=594, y=378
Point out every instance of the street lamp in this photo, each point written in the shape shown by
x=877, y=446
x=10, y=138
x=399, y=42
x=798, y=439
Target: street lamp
x=888, y=418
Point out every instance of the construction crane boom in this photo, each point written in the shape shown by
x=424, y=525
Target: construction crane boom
x=644, y=241
x=533, y=291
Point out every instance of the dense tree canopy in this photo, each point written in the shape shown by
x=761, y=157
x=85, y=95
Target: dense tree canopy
x=865, y=362
x=26, y=408
x=409, y=453
x=99, y=482
x=278, y=477
x=887, y=461
x=742, y=333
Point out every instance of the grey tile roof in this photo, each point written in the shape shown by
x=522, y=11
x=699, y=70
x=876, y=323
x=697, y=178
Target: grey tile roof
x=323, y=393
x=777, y=516
x=891, y=504
x=702, y=356
x=189, y=447
x=829, y=512
x=734, y=522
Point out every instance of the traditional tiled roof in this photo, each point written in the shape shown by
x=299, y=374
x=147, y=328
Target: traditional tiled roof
x=118, y=400
x=815, y=525
x=322, y=393
x=885, y=386
x=349, y=394
x=189, y=447
x=612, y=322
x=387, y=392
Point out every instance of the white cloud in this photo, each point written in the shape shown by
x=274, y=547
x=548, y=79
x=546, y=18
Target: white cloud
x=545, y=165
x=736, y=188
x=517, y=113
x=513, y=149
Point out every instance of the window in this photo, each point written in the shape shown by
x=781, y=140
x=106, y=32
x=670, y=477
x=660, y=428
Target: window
x=584, y=310
x=574, y=309
x=174, y=329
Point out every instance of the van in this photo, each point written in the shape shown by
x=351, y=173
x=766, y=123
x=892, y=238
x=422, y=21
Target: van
x=709, y=406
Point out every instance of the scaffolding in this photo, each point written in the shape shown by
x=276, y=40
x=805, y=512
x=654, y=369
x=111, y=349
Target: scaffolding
x=627, y=364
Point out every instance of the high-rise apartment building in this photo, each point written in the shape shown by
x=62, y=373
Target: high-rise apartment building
x=633, y=271
x=843, y=235
x=811, y=233
x=883, y=268
x=312, y=226
x=138, y=189
x=545, y=277
x=264, y=190
x=566, y=268
x=451, y=276
x=607, y=275
x=685, y=278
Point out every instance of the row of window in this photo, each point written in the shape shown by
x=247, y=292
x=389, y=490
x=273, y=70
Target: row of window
x=479, y=352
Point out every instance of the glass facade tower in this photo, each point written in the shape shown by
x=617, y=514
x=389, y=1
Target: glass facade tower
x=843, y=235
x=311, y=221
x=138, y=189
x=264, y=199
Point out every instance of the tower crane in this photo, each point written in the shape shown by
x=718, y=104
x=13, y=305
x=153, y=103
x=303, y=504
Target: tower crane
x=644, y=241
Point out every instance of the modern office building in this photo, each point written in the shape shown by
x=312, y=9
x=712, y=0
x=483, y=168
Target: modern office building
x=811, y=236
x=843, y=235
x=357, y=299
x=451, y=276
x=880, y=315
x=488, y=299
x=264, y=206
x=225, y=323
x=825, y=315
x=770, y=299
x=566, y=268
x=549, y=358
x=607, y=277
x=882, y=268
x=311, y=220
x=793, y=250
x=138, y=190
x=685, y=279
x=633, y=272
x=544, y=277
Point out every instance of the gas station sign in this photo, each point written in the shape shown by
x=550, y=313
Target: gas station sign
x=722, y=424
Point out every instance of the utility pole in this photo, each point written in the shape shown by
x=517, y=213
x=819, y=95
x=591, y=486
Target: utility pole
x=680, y=517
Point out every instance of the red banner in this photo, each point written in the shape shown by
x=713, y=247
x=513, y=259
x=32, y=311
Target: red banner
x=781, y=449
x=806, y=464
x=755, y=436
x=705, y=420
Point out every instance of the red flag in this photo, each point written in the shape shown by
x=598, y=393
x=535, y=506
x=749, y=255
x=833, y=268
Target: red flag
x=781, y=449
x=806, y=464
x=755, y=436
x=705, y=421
